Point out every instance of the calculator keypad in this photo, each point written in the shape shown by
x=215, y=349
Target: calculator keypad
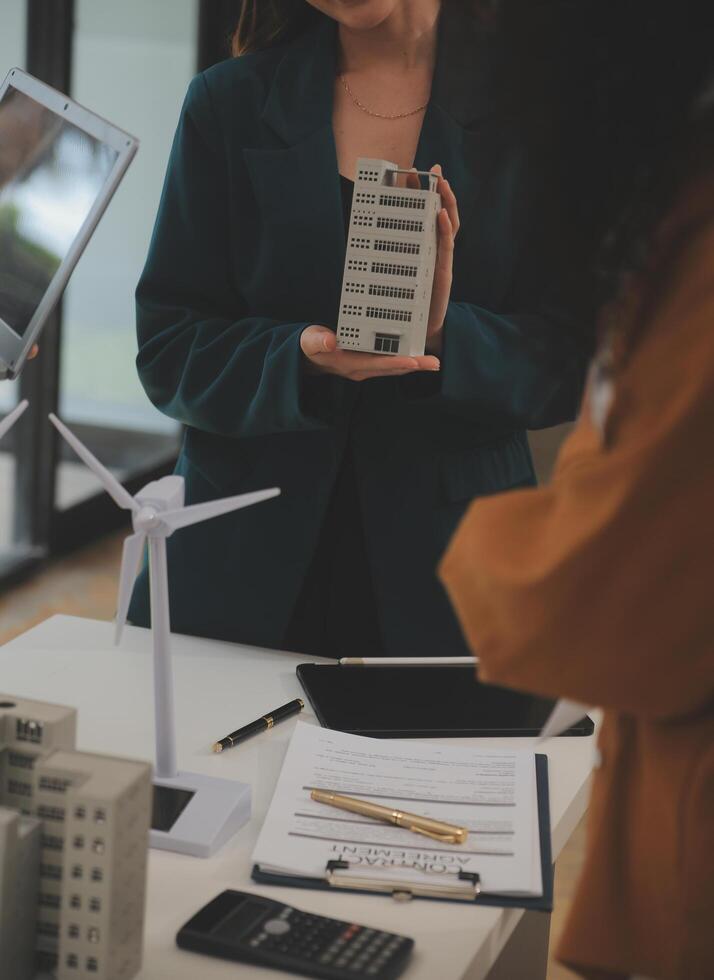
x=336, y=949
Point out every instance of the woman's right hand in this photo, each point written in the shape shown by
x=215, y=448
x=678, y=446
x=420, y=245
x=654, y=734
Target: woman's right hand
x=319, y=345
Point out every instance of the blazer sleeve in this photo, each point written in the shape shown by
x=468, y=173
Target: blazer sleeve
x=520, y=370
x=523, y=366
x=598, y=587
x=204, y=359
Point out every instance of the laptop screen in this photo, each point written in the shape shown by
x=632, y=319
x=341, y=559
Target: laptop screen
x=51, y=173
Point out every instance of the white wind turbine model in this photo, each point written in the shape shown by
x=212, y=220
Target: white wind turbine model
x=192, y=813
x=10, y=419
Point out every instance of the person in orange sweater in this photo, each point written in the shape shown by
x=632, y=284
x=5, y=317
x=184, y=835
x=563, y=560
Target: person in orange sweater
x=599, y=586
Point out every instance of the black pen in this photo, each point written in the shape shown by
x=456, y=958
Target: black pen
x=260, y=725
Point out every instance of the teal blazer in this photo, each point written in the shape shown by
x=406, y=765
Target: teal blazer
x=248, y=249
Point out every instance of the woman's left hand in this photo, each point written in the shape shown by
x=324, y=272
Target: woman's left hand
x=447, y=228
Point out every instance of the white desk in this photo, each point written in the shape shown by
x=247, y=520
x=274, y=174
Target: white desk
x=220, y=687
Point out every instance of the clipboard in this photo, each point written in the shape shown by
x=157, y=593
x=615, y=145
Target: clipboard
x=464, y=887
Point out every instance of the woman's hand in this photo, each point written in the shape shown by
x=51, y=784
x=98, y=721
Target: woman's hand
x=447, y=224
x=319, y=345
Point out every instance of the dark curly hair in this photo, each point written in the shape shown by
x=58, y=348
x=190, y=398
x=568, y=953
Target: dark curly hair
x=632, y=84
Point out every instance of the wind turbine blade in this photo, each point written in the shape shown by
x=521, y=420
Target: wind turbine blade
x=130, y=561
x=214, y=508
x=110, y=483
x=564, y=714
x=9, y=420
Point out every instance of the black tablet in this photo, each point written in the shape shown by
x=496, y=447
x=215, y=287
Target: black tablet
x=422, y=702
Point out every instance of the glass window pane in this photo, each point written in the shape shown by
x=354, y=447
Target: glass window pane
x=12, y=55
x=131, y=63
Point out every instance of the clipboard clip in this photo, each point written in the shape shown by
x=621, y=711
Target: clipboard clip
x=468, y=889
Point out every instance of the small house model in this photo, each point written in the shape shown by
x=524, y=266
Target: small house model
x=389, y=266
x=73, y=849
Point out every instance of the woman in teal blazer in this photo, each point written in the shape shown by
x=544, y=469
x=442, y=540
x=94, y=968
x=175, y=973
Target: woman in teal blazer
x=248, y=253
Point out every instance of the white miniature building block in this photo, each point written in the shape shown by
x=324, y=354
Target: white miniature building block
x=19, y=887
x=28, y=731
x=99, y=807
x=390, y=260
x=93, y=813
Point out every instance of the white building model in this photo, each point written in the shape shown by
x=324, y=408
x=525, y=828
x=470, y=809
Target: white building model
x=389, y=266
x=73, y=848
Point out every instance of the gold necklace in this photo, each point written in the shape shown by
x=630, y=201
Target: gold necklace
x=378, y=115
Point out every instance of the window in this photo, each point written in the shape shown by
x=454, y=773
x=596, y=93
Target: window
x=28, y=730
x=50, y=812
x=408, y=248
x=93, y=934
x=51, y=871
x=75, y=902
x=387, y=343
x=380, y=313
x=400, y=224
x=95, y=905
x=151, y=47
x=73, y=931
x=97, y=874
x=72, y=960
x=49, y=502
x=395, y=292
x=80, y=812
x=100, y=816
x=402, y=201
x=19, y=788
x=47, y=901
x=390, y=269
x=92, y=964
x=54, y=783
x=78, y=842
x=98, y=845
x=21, y=761
x=50, y=929
x=77, y=871
x=12, y=52
x=362, y=219
x=52, y=843
x=350, y=309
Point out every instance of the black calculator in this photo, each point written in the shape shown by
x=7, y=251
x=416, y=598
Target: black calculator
x=253, y=929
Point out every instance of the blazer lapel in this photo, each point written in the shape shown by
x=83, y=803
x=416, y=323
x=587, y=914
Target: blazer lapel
x=301, y=236
x=300, y=239
x=465, y=94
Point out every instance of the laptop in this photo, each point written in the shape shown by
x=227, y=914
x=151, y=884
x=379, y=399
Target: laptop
x=60, y=164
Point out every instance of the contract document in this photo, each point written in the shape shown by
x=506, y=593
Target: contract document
x=490, y=792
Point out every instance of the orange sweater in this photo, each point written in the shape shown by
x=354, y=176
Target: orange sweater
x=600, y=587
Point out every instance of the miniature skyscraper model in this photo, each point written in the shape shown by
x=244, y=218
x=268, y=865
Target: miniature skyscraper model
x=389, y=266
x=192, y=813
x=72, y=875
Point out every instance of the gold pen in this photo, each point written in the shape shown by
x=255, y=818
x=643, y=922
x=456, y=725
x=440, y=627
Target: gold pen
x=446, y=833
